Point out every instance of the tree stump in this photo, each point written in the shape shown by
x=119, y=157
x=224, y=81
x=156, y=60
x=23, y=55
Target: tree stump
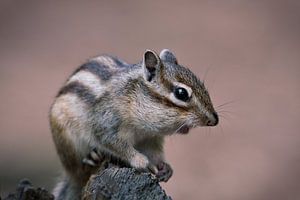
x=111, y=183
x=116, y=183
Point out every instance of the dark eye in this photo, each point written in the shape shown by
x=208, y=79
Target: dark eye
x=181, y=94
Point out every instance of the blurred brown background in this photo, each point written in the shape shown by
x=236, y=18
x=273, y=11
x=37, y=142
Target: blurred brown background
x=249, y=51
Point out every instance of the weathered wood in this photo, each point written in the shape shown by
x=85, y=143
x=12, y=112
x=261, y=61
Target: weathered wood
x=111, y=183
x=116, y=183
x=25, y=191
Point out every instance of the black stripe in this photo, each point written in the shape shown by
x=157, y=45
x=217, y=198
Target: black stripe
x=83, y=92
x=135, y=84
x=118, y=62
x=99, y=69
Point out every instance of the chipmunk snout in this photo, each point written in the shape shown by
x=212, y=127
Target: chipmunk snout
x=213, y=120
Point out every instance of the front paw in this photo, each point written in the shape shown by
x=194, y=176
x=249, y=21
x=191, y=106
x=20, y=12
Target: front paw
x=93, y=159
x=165, y=172
x=139, y=161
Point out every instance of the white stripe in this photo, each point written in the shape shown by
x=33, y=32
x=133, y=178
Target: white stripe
x=178, y=101
x=108, y=61
x=71, y=113
x=90, y=80
x=68, y=107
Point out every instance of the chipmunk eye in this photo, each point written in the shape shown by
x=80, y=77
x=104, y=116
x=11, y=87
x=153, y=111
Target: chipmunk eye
x=181, y=94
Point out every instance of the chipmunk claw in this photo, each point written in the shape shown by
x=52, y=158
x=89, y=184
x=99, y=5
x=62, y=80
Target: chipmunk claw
x=152, y=169
x=164, y=172
x=93, y=159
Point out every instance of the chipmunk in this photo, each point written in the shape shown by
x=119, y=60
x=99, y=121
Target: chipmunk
x=124, y=110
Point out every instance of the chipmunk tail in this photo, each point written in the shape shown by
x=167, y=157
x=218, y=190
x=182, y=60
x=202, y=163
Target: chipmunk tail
x=67, y=190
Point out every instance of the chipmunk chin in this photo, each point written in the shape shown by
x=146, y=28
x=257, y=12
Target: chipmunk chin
x=184, y=129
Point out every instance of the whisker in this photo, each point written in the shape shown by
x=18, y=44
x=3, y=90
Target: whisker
x=179, y=127
x=222, y=131
x=206, y=73
x=224, y=117
x=206, y=131
x=226, y=112
x=226, y=103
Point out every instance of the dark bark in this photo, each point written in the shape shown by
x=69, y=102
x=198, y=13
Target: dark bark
x=112, y=183
x=25, y=191
x=116, y=183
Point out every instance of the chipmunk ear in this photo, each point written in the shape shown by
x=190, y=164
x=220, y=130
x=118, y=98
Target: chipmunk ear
x=167, y=56
x=151, y=64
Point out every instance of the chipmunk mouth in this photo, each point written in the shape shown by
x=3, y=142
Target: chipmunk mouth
x=184, y=129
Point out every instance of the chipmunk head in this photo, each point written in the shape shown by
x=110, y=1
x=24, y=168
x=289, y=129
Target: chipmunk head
x=178, y=93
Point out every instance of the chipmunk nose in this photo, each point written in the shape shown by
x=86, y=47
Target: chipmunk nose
x=214, y=120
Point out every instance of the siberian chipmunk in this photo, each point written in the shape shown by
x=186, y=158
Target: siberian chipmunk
x=124, y=110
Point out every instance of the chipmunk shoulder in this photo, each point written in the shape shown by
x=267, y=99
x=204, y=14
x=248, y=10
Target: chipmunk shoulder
x=125, y=110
